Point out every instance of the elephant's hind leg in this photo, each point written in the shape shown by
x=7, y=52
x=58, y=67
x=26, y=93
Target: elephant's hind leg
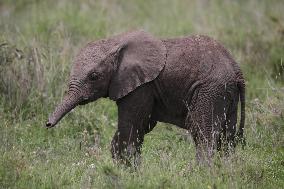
x=204, y=120
x=200, y=126
x=230, y=127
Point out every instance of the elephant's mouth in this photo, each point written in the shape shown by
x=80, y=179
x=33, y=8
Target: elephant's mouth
x=83, y=102
x=87, y=100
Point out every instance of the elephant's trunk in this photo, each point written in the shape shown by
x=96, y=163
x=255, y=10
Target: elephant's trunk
x=68, y=103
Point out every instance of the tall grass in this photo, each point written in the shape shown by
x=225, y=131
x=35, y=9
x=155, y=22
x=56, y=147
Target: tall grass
x=38, y=40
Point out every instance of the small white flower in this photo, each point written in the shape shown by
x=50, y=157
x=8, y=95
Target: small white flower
x=92, y=166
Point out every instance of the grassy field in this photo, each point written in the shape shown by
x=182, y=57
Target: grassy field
x=38, y=40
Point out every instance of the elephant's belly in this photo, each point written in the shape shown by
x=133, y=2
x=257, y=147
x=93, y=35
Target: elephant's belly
x=175, y=118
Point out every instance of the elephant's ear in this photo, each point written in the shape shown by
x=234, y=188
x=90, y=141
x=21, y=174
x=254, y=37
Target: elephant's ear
x=141, y=57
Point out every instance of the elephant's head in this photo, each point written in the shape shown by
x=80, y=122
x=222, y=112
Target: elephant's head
x=111, y=68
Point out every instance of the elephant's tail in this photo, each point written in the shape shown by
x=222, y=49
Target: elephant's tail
x=240, y=133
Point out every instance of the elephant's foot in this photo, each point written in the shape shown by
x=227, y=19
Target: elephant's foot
x=204, y=153
x=126, y=154
x=128, y=157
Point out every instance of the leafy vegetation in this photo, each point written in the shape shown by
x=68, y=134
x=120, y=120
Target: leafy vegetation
x=38, y=40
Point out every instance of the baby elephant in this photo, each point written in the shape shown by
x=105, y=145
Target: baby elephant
x=191, y=82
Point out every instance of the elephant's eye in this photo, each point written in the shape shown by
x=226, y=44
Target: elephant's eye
x=94, y=76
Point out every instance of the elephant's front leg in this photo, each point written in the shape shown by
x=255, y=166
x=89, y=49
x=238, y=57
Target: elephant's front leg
x=134, y=113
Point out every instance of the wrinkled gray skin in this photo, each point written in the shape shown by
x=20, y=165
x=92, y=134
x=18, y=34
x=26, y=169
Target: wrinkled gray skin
x=191, y=82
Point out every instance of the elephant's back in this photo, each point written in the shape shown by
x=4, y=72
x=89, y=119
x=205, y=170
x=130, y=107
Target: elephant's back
x=193, y=60
x=195, y=57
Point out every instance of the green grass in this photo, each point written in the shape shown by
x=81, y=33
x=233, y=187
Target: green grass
x=38, y=40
